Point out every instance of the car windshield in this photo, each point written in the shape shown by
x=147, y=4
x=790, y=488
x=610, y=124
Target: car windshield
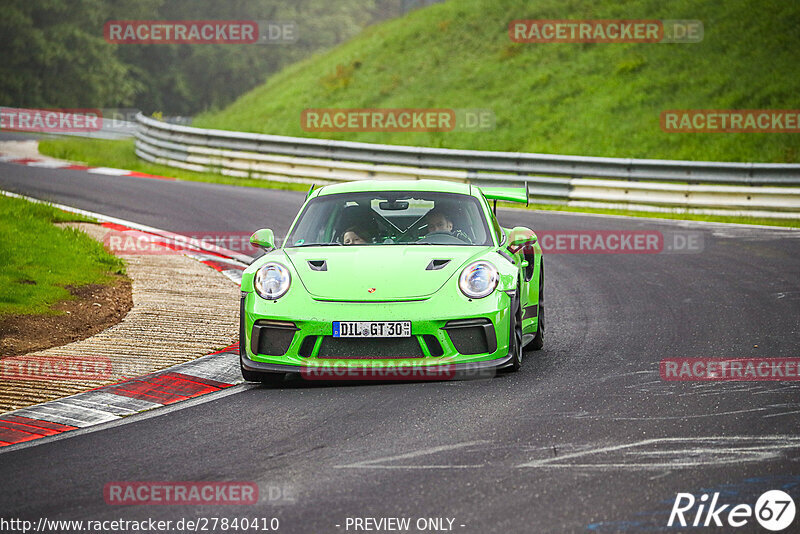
x=391, y=218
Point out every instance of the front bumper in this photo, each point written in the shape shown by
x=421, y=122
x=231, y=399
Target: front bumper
x=278, y=338
x=401, y=369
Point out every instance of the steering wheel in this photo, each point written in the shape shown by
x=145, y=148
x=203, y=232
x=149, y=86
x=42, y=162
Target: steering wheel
x=446, y=237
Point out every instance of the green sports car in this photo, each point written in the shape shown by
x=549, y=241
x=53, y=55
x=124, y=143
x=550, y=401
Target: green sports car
x=393, y=279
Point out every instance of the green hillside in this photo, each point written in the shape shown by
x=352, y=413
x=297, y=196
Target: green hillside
x=586, y=99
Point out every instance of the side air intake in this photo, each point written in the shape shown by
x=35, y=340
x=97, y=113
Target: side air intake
x=435, y=265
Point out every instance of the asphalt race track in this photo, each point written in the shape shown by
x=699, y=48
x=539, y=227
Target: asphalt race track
x=587, y=436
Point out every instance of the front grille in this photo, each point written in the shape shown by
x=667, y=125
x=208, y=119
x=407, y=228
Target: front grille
x=272, y=337
x=307, y=347
x=434, y=347
x=369, y=348
x=472, y=336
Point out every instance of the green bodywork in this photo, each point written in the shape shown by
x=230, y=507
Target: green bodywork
x=391, y=283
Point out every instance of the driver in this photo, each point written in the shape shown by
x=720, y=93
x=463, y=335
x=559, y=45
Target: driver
x=440, y=222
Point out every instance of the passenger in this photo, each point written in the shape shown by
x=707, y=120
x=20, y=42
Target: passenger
x=355, y=235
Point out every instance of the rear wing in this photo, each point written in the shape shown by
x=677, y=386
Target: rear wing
x=509, y=194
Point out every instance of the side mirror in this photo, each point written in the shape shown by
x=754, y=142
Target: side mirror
x=519, y=238
x=263, y=238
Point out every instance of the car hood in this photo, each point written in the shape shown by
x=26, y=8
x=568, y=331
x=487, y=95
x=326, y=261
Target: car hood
x=378, y=273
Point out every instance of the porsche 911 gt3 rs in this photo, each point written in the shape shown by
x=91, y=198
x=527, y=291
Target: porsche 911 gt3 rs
x=384, y=273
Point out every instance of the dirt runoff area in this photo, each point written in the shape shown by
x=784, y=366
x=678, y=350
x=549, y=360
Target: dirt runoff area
x=94, y=308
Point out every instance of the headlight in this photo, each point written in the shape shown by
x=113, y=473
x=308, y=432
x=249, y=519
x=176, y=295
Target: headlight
x=478, y=279
x=272, y=281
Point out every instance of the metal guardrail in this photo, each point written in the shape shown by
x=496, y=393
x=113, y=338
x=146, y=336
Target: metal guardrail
x=757, y=189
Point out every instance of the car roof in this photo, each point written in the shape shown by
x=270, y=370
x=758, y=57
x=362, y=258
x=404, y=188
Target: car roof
x=440, y=186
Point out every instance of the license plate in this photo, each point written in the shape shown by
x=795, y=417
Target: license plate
x=372, y=329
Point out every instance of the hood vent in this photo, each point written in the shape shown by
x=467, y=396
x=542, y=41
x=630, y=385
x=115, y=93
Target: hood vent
x=318, y=265
x=435, y=265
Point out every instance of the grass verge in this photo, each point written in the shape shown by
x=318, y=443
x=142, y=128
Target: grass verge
x=38, y=260
x=587, y=99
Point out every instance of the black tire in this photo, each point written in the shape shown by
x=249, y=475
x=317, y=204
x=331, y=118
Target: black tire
x=538, y=340
x=515, y=336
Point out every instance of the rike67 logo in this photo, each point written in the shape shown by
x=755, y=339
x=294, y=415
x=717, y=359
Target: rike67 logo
x=774, y=510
